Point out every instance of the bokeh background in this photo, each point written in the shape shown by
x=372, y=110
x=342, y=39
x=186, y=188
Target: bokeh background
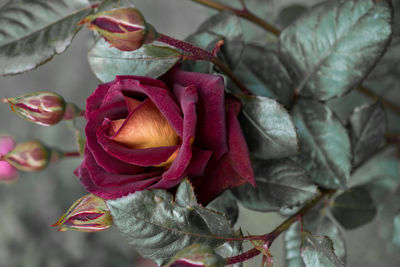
x=36, y=200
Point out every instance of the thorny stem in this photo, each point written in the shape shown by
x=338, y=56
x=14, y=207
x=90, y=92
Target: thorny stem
x=270, y=237
x=196, y=53
x=265, y=25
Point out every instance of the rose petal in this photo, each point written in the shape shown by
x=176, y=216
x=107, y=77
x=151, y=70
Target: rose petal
x=8, y=172
x=140, y=157
x=111, y=186
x=6, y=144
x=187, y=97
x=94, y=121
x=145, y=127
x=233, y=169
x=198, y=162
x=161, y=97
x=210, y=108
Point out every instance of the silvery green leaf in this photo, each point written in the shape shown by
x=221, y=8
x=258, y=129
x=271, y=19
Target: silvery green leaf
x=268, y=128
x=227, y=205
x=149, y=60
x=222, y=26
x=383, y=165
x=261, y=70
x=280, y=184
x=333, y=47
x=318, y=251
x=368, y=124
x=33, y=31
x=354, y=208
x=324, y=144
x=315, y=221
x=289, y=14
x=159, y=226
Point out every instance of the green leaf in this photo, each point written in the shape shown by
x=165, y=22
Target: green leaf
x=368, y=124
x=335, y=45
x=33, y=31
x=227, y=205
x=280, y=184
x=197, y=255
x=354, y=208
x=262, y=8
x=222, y=26
x=261, y=70
x=290, y=13
x=268, y=128
x=292, y=241
x=159, y=226
x=324, y=144
x=383, y=165
x=150, y=60
x=315, y=221
x=207, y=41
x=317, y=250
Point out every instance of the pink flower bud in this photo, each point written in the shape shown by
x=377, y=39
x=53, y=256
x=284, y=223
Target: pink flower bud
x=123, y=28
x=87, y=214
x=29, y=156
x=8, y=173
x=44, y=108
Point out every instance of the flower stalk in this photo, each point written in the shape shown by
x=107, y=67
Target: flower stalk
x=196, y=53
x=270, y=237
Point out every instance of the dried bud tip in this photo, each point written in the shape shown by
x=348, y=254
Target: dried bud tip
x=87, y=214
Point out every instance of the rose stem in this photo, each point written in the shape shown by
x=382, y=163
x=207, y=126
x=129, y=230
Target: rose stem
x=200, y=54
x=270, y=237
x=268, y=27
x=244, y=13
x=71, y=154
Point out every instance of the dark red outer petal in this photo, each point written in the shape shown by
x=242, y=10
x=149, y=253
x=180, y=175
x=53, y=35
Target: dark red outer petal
x=211, y=130
x=187, y=97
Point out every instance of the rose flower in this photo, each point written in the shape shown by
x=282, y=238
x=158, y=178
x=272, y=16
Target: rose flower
x=144, y=133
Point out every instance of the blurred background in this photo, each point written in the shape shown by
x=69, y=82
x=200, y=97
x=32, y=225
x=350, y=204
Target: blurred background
x=37, y=200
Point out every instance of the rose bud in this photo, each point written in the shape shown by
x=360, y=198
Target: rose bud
x=8, y=173
x=87, y=214
x=44, y=108
x=124, y=28
x=29, y=156
x=197, y=256
x=144, y=133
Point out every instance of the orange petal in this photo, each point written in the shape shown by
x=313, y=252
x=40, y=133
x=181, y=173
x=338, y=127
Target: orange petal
x=145, y=128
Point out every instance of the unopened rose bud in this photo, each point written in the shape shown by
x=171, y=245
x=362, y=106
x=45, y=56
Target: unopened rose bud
x=44, y=108
x=123, y=28
x=29, y=156
x=87, y=214
x=197, y=255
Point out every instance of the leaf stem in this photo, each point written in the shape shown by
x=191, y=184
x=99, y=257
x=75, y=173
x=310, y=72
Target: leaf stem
x=244, y=13
x=197, y=53
x=270, y=237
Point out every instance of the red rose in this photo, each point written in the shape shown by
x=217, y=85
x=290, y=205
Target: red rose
x=144, y=133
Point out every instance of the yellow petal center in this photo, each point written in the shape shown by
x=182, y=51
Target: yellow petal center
x=145, y=128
